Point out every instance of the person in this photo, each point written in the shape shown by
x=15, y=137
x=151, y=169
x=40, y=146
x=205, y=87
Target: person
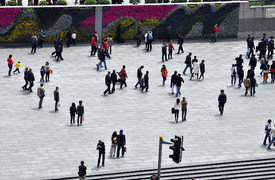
x=73, y=38
x=113, y=145
x=47, y=70
x=177, y=109
x=222, y=100
x=101, y=152
x=170, y=48
x=145, y=40
x=26, y=78
x=202, y=69
x=164, y=51
x=40, y=94
x=80, y=113
x=267, y=131
x=262, y=47
x=10, y=63
x=251, y=47
x=72, y=113
x=56, y=97
x=121, y=142
x=173, y=81
x=272, y=71
x=110, y=43
x=31, y=79
x=233, y=75
x=164, y=74
x=139, y=76
x=246, y=84
x=96, y=36
x=41, y=38
x=150, y=39
x=17, y=66
x=101, y=56
x=195, y=69
x=239, y=62
x=114, y=80
x=123, y=76
x=240, y=76
x=59, y=50
x=216, y=31
x=180, y=42
x=55, y=44
x=108, y=83
x=183, y=109
x=252, y=85
x=42, y=73
x=272, y=134
x=146, y=82
x=188, y=63
x=82, y=171
x=34, y=43
x=270, y=48
x=247, y=44
x=253, y=62
x=138, y=35
x=178, y=83
x=118, y=33
x=69, y=38
x=93, y=44
x=265, y=72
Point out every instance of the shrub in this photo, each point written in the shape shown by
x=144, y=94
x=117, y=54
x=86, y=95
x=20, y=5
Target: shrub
x=87, y=2
x=178, y=1
x=132, y=1
x=61, y=2
x=12, y=3
x=104, y=2
x=150, y=1
x=43, y=3
x=195, y=0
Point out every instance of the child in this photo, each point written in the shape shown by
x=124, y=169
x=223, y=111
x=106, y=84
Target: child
x=170, y=48
x=42, y=73
x=17, y=65
x=73, y=38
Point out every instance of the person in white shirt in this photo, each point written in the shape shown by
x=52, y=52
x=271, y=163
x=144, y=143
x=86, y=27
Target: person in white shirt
x=233, y=74
x=177, y=108
x=272, y=134
x=145, y=39
x=73, y=37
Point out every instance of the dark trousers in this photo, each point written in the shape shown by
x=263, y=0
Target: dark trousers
x=267, y=136
x=184, y=112
x=202, y=75
x=79, y=116
x=176, y=115
x=26, y=84
x=246, y=89
x=47, y=76
x=114, y=87
x=33, y=49
x=146, y=86
x=93, y=50
x=118, y=149
x=59, y=55
x=214, y=38
x=123, y=82
x=149, y=47
x=99, y=157
x=110, y=48
x=108, y=89
x=146, y=45
x=180, y=49
x=40, y=101
x=163, y=79
x=72, y=118
x=54, y=51
x=170, y=54
x=40, y=42
x=69, y=42
x=139, y=82
x=164, y=54
x=250, y=52
x=233, y=79
x=30, y=87
x=252, y=67
x=17, y=69
x=252, y=90
x=73, y=41
x=270, y=53
x=221, y=107
x=35, y=2
x=10, y=68
x=138, y=42
x=55, y=106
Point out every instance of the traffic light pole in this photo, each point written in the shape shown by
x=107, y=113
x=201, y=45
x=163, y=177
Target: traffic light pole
x=161, y=141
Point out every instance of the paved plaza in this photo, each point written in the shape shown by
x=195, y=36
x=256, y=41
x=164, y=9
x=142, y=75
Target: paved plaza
x=39, y=143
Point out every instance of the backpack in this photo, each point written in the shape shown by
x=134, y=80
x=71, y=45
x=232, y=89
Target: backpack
x=246, y=82
x=150, y=37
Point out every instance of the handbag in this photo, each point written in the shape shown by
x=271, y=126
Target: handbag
x=125, y=149
x=82, y=119
x=173, y=110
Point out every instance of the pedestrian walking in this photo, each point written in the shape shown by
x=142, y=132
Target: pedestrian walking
x=195, y=69
x=170, y=48
x=82, y=171
x=240, y=76
x=93, y=44
x=80, y=113
x=184, y=104
x=177, y=108
x=59, y=51
x=47, y=71
x=101, y=56
x=222, y=100
x=34, y=43
x=17, y=66
x=31, y=79
x=72, y=113
x=188, y=63
x=40, y=94
x=173, y=81
x=138, y=35
x=26, y=78
x=179, y=80
x=216, y=31
x=101, y=152
x=105, y=46
x=180, y=42
x=146, y=82
x=121, y=142
x=113, y=145
x=233, y=75
x=150, y=39
x=253, y=62
x=10, y=63
x=164, y=51
x=239, y=62
x=252, y=85
x=110, y=43
x=265, y=72
x=41, y=38
x=73, y=38
x=114, y=80
x=272, y=134
x=202, y=69
x=55, y=44
x=145, y=40
x=267, y=131
x=164, y=74
x=246, y=84
x=270, y=48
x=108, y=83
x=263, y=62
x=69, y=38
x=123, y=76
x=251, y=47
x=272, y=71
x=42, y=73
x=139, y=76
x=56, y=98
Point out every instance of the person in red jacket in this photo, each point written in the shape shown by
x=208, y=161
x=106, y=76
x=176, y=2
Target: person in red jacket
x=170, y=48
x=272, y=71
x=10, y=63
x=164, y=73
x=216, y=31
x=93, y=43
x=123, y=76
x=105, y=46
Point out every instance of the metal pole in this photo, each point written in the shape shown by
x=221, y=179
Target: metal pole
x=160, y=152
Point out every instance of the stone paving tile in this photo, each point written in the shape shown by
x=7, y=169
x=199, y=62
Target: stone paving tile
x=39, y=144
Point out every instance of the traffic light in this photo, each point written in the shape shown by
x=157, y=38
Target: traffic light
x=177, y=148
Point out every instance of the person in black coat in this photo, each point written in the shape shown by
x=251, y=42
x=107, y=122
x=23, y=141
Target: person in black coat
x=188, y=63
x=202, y=69
x=262, y=47
x=173, y=81
x=164, y=51
x=250, y=73
x=253, y=62
x=180, y=42
x=139, y=76
x=222, y=100
x=114, y=80
x=31, y=79
x=82, y=171
x=239, y=62
x=179, y=80
x=251, y=47
x=72, y=113
x=56, y=97
x=101, y=152
x=146, y=82
x=108, y=83
x=241, y=76
x=252, y=85
x=270, y=48
x=121, y=141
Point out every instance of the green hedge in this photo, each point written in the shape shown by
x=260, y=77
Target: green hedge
x=150, y=1
x=104, y=2
x=43, y=3
x=195, y=0
x=61, y=2
x=87, y=2
x=179, y=1
x=12, y=3
x=132, y=1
